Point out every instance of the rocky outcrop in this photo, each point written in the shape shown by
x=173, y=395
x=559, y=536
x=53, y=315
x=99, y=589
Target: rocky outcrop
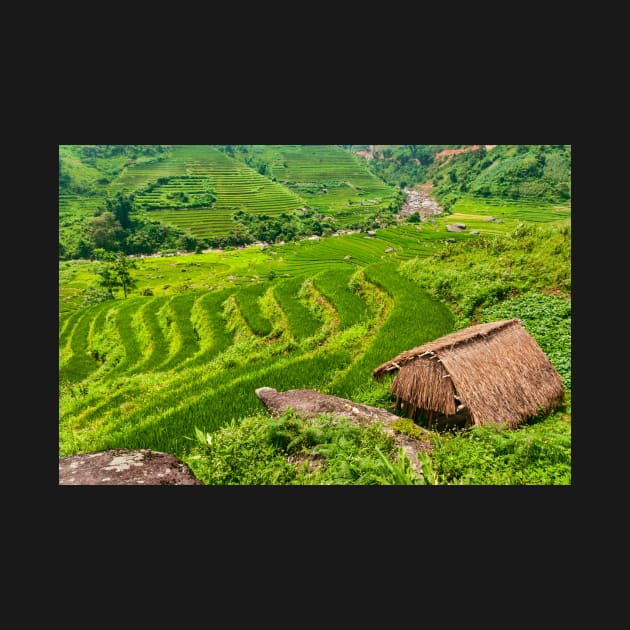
x=308, y=403
x=421, y=202
x=124, y=467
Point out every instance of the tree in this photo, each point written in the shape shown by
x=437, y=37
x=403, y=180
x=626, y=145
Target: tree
x=105, y=230
x=115, y=272
x=121, y=206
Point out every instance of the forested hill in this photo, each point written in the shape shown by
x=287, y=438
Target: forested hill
x=528, y=172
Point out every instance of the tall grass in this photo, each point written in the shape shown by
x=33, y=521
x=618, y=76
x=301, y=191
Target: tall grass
x=485, y=271
x=186, y=339
x=303, y=323
x=248, y=300
x=334, y=284
x=415, y=319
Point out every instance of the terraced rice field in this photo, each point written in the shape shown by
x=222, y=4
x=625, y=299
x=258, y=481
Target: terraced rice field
x=145, y=371
x=331, y=180
x=233, y=268
x=78, y=205
x=140, y=175
x=477, y=212
x=198, y=170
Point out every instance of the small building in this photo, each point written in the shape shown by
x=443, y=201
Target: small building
x=486, y=373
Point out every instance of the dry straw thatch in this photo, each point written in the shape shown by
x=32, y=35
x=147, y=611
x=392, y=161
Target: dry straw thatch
x=487, y=373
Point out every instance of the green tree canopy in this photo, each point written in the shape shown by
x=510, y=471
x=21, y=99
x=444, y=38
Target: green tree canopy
x=105, y=230
x=115, y=271
x=121, y=206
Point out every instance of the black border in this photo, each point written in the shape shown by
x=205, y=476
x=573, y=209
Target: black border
x=389, y=517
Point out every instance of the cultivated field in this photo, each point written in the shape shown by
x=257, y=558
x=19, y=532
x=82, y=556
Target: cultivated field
x=145, y=371
x=196, y=171
x=187, y=349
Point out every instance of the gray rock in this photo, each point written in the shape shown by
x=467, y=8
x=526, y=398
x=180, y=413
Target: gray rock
x=124, y=467
x=308, y=403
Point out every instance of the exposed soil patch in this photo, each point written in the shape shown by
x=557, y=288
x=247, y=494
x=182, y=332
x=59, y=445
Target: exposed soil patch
x=446, y=153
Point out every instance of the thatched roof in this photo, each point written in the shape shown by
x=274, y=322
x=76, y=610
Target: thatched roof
x=496, y=372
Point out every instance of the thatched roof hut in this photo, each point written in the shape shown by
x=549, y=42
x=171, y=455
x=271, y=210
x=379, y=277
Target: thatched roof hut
x=487, y=373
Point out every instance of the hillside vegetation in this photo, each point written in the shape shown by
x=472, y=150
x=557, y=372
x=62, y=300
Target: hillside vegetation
x=144, y=200
x=174, y=366
x=496, y=173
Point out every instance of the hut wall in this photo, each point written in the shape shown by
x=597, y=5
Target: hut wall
x=497, y=370
x=425, y=385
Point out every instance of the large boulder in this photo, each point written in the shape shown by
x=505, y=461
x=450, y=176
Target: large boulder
x=124, y=467
x=308, y=403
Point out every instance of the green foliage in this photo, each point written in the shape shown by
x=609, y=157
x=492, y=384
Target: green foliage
x=403, y=328
x=248, y=299
x=536, y=454
x=409, y=427
x=145, y=372
x=120, y=206
x=482, y=272
x=285, y=227
x=289, y=450
x=540, y=172
x=330, y=180
x=548, y=319
x=405, y=164
x=105, y=231
x=87, y=169
x=96, y=295
x=196, y=191
x=115, y=271
x=400, y=473
x=302, y=321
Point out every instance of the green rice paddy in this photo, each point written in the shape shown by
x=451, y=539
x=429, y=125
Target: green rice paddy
x=203, y=331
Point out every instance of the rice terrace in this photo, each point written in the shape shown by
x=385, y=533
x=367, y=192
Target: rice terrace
x=315, y=315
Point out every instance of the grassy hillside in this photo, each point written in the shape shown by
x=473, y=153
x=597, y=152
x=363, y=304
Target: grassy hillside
x=146, y=372
x=190, y=197
x=496, y=173
x=203, y=173
x=524, y=172
x=193, y=191
x=401, y=165
x=331, y=180
x=181, y=357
